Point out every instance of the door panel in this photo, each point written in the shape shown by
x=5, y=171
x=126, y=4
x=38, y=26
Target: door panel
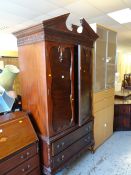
x=110, y=61
x=84, y=82
x=61, y=86
x=100, y=60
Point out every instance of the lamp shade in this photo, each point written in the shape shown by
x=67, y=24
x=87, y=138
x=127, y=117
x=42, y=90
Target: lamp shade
x=8, y=76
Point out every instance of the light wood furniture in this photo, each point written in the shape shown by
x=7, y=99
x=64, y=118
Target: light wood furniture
x=56, y=71
x=18, y=145
x=103, y=83
x=103, y=111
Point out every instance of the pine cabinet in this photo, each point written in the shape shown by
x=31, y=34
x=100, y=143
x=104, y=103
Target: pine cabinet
x=56, y=80
x=103, y=111
x=104, y=56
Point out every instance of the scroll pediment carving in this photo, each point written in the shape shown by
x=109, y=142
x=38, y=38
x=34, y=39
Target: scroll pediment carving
x=55, y=29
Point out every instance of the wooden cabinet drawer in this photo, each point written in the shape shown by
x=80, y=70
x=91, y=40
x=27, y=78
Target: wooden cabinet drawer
x=109, y=92
x=17, y=159
x=109, y=101
x=66, y=141
x=73, y=149
x=99, y=96
x=103, y=104
x=26, y=167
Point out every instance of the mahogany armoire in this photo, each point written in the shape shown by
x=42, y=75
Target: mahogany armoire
x=56, y=82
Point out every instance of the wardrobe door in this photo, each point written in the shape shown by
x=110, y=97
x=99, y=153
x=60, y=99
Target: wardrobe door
x=84, y=83
x=60, y=86
x=100, y=60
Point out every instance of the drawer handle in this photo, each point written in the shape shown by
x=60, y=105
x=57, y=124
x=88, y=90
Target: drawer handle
x=87, y=129
x=58, y=159
x=86, y=140
x=28, y=153
x=25, y=156
x=62, y=157
x=63, y=143
x=28, y=166
x=23, y=169
x=26, y=169
x=22, y=156
x=58, y=146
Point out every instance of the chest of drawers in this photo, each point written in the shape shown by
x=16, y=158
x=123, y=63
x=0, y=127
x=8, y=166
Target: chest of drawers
x=18, y=145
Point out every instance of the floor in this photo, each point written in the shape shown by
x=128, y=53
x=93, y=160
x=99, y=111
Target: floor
x=112, y=158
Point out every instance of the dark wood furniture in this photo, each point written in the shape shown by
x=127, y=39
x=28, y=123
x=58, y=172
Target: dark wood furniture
x=123, y=95
x=122, y=111
x=56, y=79
x=18, y=145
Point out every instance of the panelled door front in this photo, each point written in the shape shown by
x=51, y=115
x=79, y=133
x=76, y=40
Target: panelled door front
x=84, y=83
x=60, y=78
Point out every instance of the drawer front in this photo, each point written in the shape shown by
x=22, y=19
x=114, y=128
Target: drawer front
x=103, y=104
x=66, y=141
x=103, y=94
x=109, y=92
x=109, y=101
x=17, y=159
x=99, y=106
x=26, y=167
x=72, y=150
x=98, y=96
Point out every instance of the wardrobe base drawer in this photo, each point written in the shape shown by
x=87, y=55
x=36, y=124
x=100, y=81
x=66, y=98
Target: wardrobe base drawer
x=72, y=137
x=64, y=156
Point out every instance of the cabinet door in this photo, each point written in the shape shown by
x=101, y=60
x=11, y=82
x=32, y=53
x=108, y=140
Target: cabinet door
x=100, y=60
x=109, y=116
x=103, y=125
x=60, y=86
x=110, y=60
x=84, y=83
x=99, y=134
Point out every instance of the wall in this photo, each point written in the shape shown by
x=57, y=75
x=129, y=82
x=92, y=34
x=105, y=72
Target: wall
x=123, y=64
